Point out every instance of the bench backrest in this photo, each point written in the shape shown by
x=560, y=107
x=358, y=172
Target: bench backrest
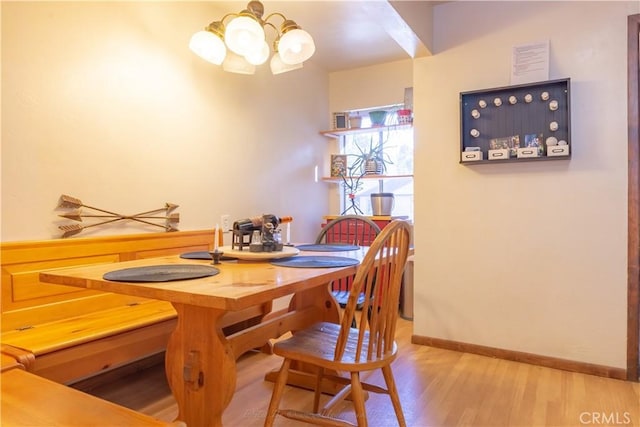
x=25, y=299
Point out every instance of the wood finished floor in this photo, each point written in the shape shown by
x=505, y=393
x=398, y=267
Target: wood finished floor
x=437, y=388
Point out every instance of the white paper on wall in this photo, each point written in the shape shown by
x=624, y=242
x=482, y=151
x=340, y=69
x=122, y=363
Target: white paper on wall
x=530, y=63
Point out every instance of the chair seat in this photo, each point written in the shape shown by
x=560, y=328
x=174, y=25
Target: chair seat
x=317, y=344
x=342, y=296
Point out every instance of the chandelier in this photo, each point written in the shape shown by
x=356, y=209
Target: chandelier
x=240, y=44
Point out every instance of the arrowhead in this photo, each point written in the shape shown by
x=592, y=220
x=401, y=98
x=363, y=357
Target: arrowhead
x=171, y=206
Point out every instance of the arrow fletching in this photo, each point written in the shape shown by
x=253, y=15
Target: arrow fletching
x=74, y=216
x=70, y=230
x=69, y=202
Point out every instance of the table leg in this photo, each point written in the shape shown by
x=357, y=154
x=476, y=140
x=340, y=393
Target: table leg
x=200, y=366
x=321, y=297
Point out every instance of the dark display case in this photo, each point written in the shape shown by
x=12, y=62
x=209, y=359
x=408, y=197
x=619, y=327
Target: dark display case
x=529, y=122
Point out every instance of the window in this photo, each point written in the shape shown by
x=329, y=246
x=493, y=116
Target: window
x=398, y=149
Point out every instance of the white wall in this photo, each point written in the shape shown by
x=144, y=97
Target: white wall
x=528, y=257
x=368, y=87
x=104, y=101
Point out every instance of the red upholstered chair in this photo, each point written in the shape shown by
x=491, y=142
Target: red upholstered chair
x=348, y=229
x=334, y=349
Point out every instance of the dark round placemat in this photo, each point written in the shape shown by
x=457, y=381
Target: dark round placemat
x=204, y=255
x=196, y=255
x=161, y=273
x=315, y=261
x=328, y=247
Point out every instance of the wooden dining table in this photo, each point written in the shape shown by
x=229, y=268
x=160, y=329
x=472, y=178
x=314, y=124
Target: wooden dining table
x=200, y=360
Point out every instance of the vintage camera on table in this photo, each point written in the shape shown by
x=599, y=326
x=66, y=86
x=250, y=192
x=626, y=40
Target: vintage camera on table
x=259, y=233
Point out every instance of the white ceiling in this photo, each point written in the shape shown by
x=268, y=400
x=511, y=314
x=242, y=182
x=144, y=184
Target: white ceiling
x=351, y=33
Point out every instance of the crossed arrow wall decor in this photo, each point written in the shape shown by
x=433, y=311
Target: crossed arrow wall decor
x=68, y=202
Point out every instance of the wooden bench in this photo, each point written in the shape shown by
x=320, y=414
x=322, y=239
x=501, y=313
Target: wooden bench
x=30, y=400
x=65, y=333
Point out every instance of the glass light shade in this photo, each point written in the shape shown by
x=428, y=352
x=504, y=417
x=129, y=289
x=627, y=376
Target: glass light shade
x=208, y=46
x=296, y=46
x=279, y=67
x=258, y=57
x=234, y=63
x=244, y=35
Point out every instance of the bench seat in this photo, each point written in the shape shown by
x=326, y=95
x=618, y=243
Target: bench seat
x=75, y=347
x=30, y=400
x=44, y=338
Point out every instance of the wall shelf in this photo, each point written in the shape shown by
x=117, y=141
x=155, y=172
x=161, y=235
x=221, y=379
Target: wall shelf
x=367, y=177
x=386, y=218
x=336, y=133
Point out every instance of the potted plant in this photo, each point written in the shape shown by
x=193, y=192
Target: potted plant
x=372, y=160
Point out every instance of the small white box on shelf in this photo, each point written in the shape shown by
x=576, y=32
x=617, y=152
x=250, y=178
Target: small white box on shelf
x=471, y=156
x=499, y=154
x=557, y=150
x=526, y=152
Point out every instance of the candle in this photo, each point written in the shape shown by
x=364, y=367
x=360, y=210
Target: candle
x=215, y=238
x=288, y=233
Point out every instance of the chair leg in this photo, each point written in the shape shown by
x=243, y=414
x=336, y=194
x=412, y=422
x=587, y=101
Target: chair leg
x=357, y=395
x=393, y=394
x=278, y=389
x=318, y=390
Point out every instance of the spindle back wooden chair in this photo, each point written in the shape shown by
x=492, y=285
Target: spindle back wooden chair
x=348, y=229
x=334, y=349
